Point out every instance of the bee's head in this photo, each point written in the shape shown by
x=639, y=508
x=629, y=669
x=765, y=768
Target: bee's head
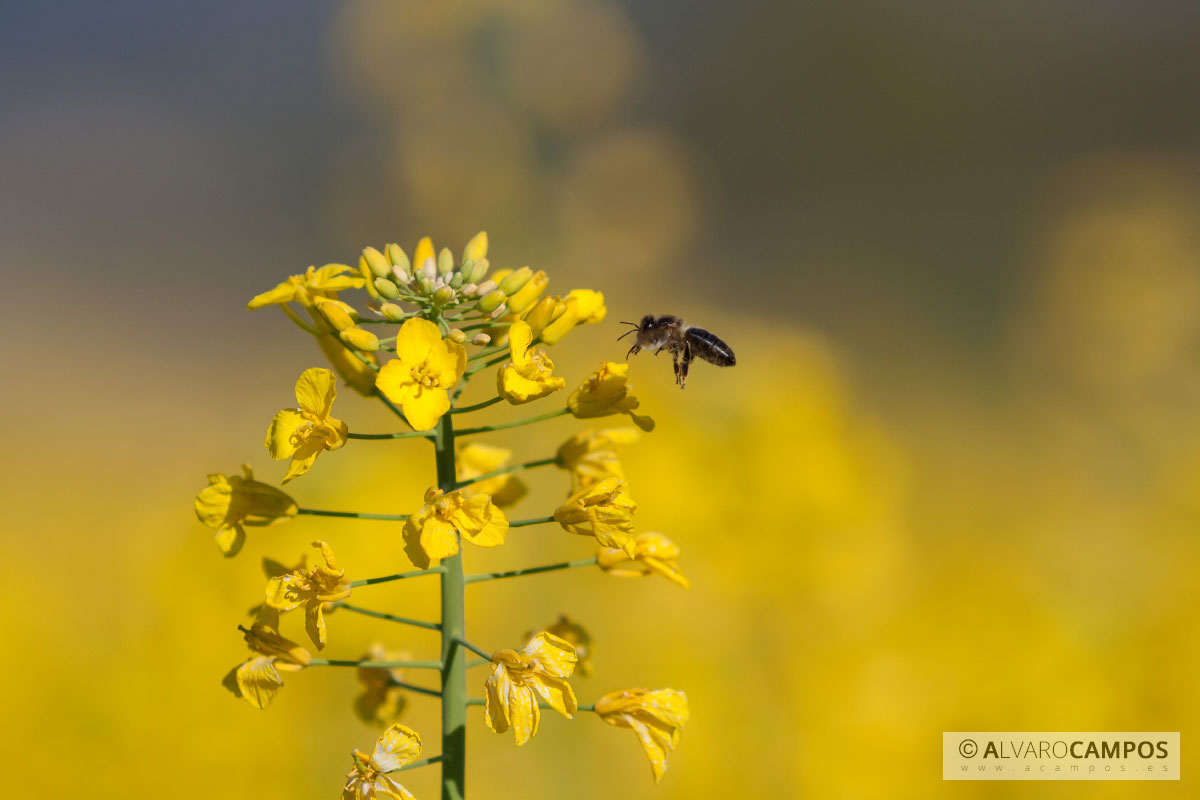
x=647, y=323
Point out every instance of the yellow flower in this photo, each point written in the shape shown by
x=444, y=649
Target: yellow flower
x=528, y=375
x=425, y=367
x=575, y=635
x=519, y=677
x=657, y=716
x=603, y=510
x=652, y=553
x=581, y=306
x=591, y=456
x=399, y=745
x=257, y=680
x=303, y=433
x=474, y=460
x=305, y=289
x=311, y=588
x=606, y=391
x=230, y=503
x=382, y=701
x=433, y=531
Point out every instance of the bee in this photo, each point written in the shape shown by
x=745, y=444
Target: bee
x=682, y=340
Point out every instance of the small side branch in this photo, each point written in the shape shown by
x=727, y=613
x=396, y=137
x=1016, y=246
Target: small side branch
x=521, y=523
x=320, y=512
x=401, y=435
x=417, y=623
x=499, y=426
x=416, y=573
x=516, y=573
x=537, y=462
x=479, y=651
x=368, y=664
x=424, y=762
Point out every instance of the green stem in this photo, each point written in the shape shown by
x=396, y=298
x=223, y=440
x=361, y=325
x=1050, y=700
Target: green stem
x=521, y=523
x=491, y=351
x=478, y=406
x=516, y=573
x=416, y=573
x=392, y=406
x=401, y=435
x=418, y=623
x=454, y=673
x=478, y=662
x=368, y=664
x=537, y=462
x=320, y=512
x=287, y=309
x=479, y=651
x=499, y=426
x=424, y=762
x=355, y=353
x=412, y=687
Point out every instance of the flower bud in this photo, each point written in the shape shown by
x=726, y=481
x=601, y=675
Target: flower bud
x=391, y=312
x=456, y=280
x=499, y=312
x=512, y=283
x=469, y=290
x=429, y=269
x=423, y=253
x=400, y=275
x=386, y=288
x=397, y=256
x=540, y=315
x=476, y=248
x=444, y=296
x=376, y=262
x=425, y=286
x=360, y=339
x=339, y=315
x=478, y=269
x=491, y=301
x=445, y=262
x=458, y=336
x=529, y=293
x=481, y=339
x=487, y=287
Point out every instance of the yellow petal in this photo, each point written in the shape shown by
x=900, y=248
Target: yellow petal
x=399, y=745
x=314, y=623
x=287, y=592
x=520, y=336
x=282, y=293
x=230, y=539
x=426, y=538
x=283, y=435
x=259, y=681
x=415, y=339
x=424, y=407
x=423, y=253
x=316, y=390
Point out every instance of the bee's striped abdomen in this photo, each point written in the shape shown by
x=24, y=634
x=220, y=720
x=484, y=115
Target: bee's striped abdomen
x=709, y=347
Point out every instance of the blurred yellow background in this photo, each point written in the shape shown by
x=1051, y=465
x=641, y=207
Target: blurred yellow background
x=953, y=482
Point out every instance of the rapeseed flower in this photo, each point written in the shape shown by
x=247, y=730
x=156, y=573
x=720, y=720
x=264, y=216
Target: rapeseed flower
x=652, y=553
x=520, y=677
x=303, y=433
x=425, y=368
x=591, y=456
x=473, y=460
x=605, y=392
x=603, y=510
x=433, y=532
x=311, y=588
x=399, y=745
x=233, y=502
x=657, y=716
x=529, y=373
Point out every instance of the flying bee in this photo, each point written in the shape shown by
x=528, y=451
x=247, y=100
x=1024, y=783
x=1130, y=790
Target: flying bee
x=682, y=340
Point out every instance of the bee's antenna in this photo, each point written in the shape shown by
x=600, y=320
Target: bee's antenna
x=634, y=324
x=626, y=333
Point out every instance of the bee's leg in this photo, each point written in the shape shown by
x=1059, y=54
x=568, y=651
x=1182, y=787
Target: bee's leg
x=675, y=360
x=683, y=367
